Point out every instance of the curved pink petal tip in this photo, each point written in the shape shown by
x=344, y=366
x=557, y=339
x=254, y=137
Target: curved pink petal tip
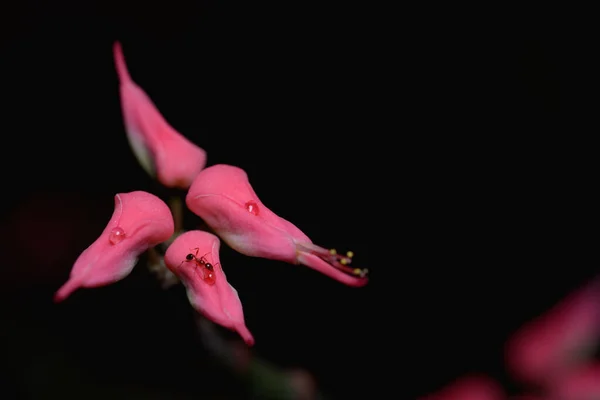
x=160, y=149
x=223, y=197
x=205, y=281
x=140, y=220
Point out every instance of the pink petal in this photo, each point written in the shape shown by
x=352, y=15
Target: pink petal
x=219, y=195
x=145, y=221
x=223, y=197
x=470, y=388
x=158, y=146
x=218, y=302
x=559, y=340
x=581, y=384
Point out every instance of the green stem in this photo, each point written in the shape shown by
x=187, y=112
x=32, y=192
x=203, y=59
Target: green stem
x=176, y=206
x=156, y=263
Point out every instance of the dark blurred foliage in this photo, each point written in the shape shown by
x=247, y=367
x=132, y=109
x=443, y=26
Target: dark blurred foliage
x=446, y=147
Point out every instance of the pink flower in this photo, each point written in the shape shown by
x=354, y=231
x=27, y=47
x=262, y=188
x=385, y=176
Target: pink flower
x=581, y=384
x=470, y=388
x=194, y=258
x=223, y=197
x=140, y=221
x=160, y=149
x=559, y=340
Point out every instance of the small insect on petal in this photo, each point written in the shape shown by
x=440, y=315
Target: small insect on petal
x=194, y=258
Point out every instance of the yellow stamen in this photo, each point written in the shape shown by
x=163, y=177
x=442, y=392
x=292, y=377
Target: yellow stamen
x=333, y=252
x=350, y=254
x=357, y=271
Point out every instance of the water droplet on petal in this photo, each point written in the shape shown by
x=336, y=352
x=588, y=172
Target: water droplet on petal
x=116, y=235
x=209, y=276
x=252, y=207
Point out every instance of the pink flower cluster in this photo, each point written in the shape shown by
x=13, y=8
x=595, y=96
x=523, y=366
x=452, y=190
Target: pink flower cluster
x=221, y=195
x=552, y=355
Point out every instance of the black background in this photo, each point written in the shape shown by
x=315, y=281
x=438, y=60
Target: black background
x=448, y=148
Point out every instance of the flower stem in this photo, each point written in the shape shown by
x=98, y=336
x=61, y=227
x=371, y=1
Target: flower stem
x=176, y=207
x=156, y=263
x=262, y=379
x=177, y=211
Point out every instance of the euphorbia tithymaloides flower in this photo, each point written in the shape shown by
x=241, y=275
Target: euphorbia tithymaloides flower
x=223, y=197
x=558, y=341
x=162, y=151
x=140, y=221
x=194, y=258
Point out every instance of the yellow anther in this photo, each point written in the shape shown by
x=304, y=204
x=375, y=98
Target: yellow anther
x=333, y=252
x=350, y=254
x=357, y=271
x=344, y=261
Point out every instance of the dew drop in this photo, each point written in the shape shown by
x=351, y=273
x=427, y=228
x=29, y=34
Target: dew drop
x=209, y=276
x=116, y=235
x=252, y=207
